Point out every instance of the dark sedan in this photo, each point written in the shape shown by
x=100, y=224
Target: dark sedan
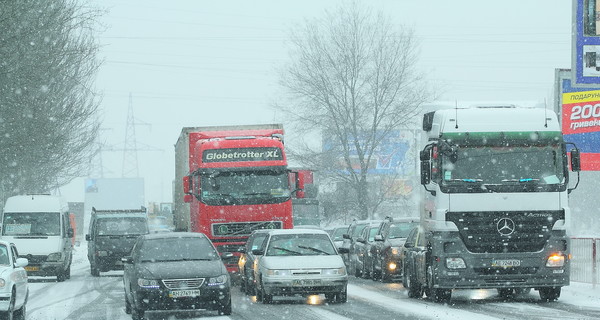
x=175, y=271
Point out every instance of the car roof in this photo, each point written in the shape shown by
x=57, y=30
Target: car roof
x=173, y=235
x=406, y=219
x=297, y=231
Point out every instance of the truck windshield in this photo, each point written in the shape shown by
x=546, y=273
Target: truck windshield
x=514, y=165
x=31, y=224
x=245, y=187
x=121, y=226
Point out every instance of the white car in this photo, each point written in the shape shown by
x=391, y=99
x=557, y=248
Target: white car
x=300, y=262
x=13, y=282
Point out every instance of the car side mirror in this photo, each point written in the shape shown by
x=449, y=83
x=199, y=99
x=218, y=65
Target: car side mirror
x=21, y=262
x=378, y=237
x=127, y=260
x=361, y=240
x=88, y=237
x=343, y=250
x=258, y=252
x=408, y=245
x=226, y=255
x=346, y=236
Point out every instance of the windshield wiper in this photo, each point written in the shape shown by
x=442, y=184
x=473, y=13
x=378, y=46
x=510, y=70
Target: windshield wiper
x=466, y=180
x=288, y=250
x=314, y=249
x=524, y=180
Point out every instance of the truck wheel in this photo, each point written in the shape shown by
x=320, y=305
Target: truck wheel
x=548, y=294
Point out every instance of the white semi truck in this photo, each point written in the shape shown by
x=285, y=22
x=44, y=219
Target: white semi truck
x=495, y=209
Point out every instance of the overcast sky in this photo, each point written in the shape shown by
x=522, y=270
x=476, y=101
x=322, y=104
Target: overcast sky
x=197, y=63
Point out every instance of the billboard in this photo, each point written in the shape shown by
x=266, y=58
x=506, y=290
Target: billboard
x=389, y=158
x=586, y=42
x=579, y=110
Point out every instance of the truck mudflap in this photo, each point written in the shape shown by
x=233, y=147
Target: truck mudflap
x=453, y=267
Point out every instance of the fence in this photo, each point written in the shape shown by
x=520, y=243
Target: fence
x=585, y=260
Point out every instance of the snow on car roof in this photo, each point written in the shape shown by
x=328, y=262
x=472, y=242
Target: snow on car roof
x=298, y=231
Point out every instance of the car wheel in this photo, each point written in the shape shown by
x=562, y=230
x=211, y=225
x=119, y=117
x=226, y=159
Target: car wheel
x=9, y=314
x=137, y=314
x=549, y=293
x=127, y=305
x=330, y=297
x=415, y=289
x=225, y=309
x=94, y=269
x=357, y=272
x=21, y=313
x=266, y=298
x=374, y=273
x=365, y=272
x=342, y=296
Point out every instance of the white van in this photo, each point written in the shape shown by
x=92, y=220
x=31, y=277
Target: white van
x=38, y=224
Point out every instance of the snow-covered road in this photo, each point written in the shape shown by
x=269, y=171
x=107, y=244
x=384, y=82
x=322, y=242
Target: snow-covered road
x=101, y=298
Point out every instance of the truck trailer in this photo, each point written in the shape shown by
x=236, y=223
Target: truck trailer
x=233, y=180
x=494, y=208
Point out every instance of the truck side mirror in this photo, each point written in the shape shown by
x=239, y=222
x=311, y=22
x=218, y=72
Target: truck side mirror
x=425, y=172
x=187, y=185
x=575, y=160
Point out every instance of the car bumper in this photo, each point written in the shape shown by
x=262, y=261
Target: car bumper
x=158, y=299
x=4, y=300
x=292, y=286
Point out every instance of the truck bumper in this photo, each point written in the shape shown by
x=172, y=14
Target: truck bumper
x=498, y=270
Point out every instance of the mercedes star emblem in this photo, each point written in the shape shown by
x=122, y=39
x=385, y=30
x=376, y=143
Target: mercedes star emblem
x=505, y=226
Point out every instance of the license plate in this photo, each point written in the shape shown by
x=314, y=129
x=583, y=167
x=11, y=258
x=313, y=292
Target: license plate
x=184, y=293
x=306, y=282
x=506, y=263
x=32, y=268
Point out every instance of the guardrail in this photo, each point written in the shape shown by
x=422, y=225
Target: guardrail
x=585, y=260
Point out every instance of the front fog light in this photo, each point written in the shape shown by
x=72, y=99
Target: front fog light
x=555, y=260
x=455, y=263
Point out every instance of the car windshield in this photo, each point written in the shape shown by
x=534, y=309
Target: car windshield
x=300, y=245
x=338, y=233
x=177, y=249
x=401, y=230
x=31, y=223
x=121, y=226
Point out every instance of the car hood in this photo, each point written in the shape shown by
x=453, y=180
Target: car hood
x=302, y=262
x=182, y=269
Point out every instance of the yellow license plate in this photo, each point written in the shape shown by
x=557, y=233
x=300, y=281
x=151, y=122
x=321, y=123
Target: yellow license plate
x=31, y=268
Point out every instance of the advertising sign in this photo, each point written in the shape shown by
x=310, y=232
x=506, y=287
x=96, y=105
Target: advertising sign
x=586, y=42
x=579, y=110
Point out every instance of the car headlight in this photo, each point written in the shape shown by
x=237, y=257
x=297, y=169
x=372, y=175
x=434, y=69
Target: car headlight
x=334, y=272
x=279, y=272
x=217, y=281
x=395, y=250
x=455, y=263
x=148, y=283
x=56, y=256
x=2, y=283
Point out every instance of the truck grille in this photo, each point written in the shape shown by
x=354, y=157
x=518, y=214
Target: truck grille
x=497, y=232
x=183, y=283
x=243, y=228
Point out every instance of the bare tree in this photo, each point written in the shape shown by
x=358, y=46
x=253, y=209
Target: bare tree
x=353, y=79
x=48, y=106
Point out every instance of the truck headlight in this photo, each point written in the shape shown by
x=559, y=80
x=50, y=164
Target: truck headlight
x=334, y=272
x=279, y=272
x=56, y=256
x=148, y=283
x=555, y=260
x=217, y=281
x=455, y=263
